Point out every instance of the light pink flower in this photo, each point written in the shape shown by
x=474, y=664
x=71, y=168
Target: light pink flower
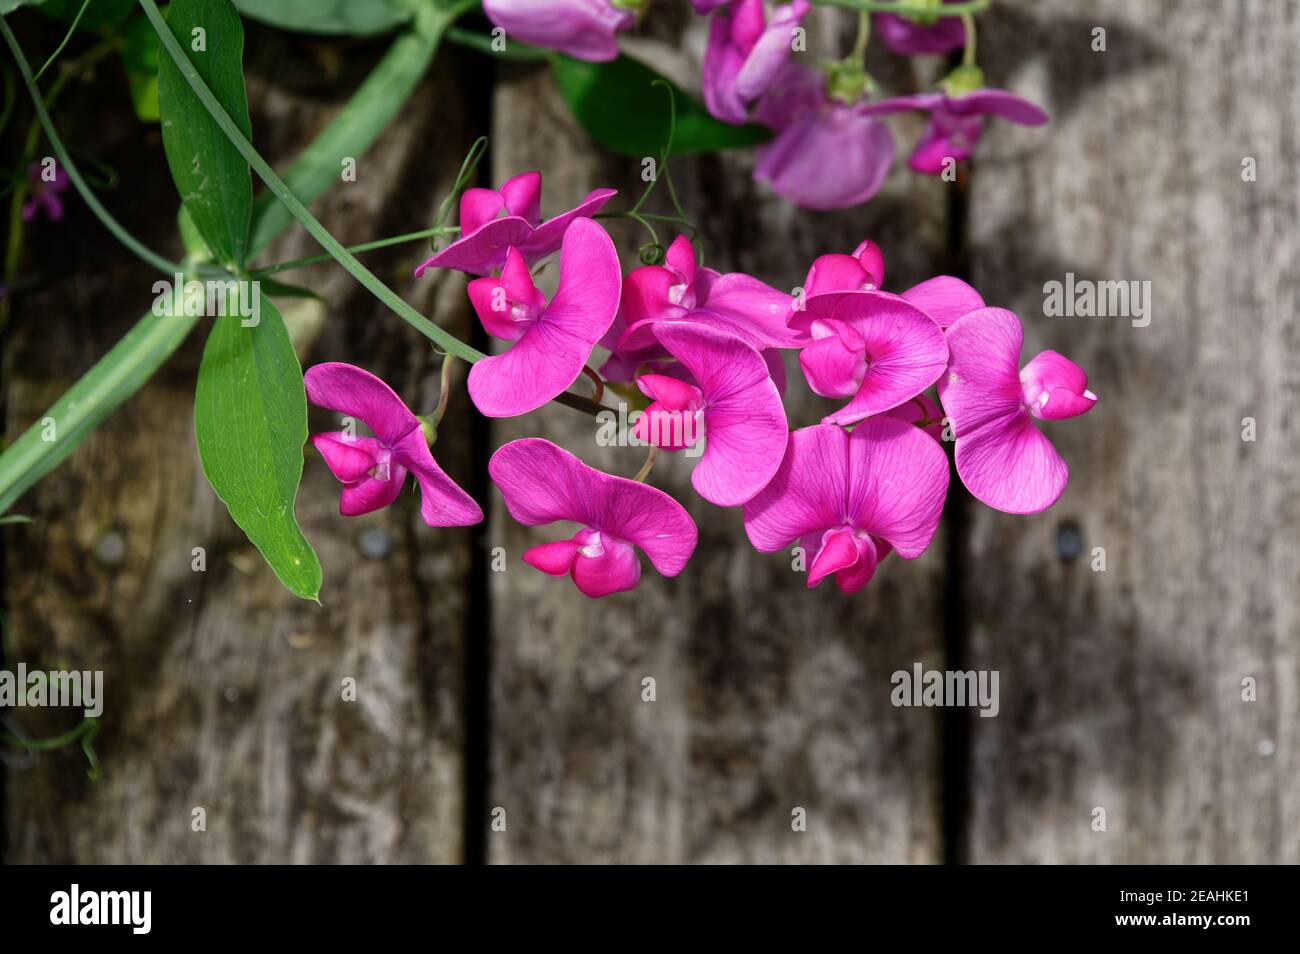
x=492, y=222
x=956, y=122
x=552, y=342
x=45, y=196
x=733, y=405
x=679, y=290
x=826, y=154
x=373, y=469
x=873, y=347
x=1002, y=457
x=745, y=53
x=542, y=484
x=581, y=28
x=851, y=497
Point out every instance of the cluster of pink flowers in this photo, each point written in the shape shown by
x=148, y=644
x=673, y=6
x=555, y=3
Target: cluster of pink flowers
x=705, y=348
x=751, y=72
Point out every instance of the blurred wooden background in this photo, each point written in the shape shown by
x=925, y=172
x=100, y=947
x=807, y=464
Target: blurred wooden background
x=478, y=691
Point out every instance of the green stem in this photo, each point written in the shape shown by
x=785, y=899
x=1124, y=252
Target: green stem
x=66, y=37
x=143, y=252
x=968, y=54
x=363, y=247
x=859, y=53
x=84, y=731
x=910, y=9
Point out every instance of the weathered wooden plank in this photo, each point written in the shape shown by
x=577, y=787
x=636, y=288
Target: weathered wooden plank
x=1122, y=689
x=223, y=691
x=769, y=696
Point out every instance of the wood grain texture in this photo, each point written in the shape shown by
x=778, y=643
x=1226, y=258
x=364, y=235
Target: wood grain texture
x=769, y=696
x=222, y=690
x=1123, y=689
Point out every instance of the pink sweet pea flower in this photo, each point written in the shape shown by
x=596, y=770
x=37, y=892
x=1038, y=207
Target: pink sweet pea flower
x=679, y=290
x=552, y=342
x=876, y=348
x=826, y=154
x=909, y=37
x=851, y=497
x=44, y=195
x=956, y=122
x=373, y=469
x=708, y=6
x=1002, y=456
x=734, y=405
x=542, y=484
x=944, y=297
x=492, y=222
x=583, y=29
x=745, y=53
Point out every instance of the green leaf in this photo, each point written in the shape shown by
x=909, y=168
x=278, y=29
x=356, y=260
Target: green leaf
x=113, y=379
x=353, y=17
x=139, y=54
x=212, y=177
x=352, y=131
x=250, y=419
x=621, y=108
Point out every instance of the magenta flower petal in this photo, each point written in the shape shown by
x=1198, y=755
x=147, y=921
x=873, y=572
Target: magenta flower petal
x=522, y=195
x=745, y=428
x=911, y=38
x=850, y=498
x=998, y=102
x=837, y=272
x=808, y=494
x=944, y=298
x=1055, y=388
x=479, y=207
x=550, y=353
x=372, y=493
x=584, y=29
x=553, y=558
x=442, y=502
x=550, y=234
x=373, y=469
x=834, y=365
x=604, y=566
x=1011, y=465
x=542, y=484
x=672, y=419
x=487, y=234
x=1001, y=456
x=745, y=52
x=839, y=551
x=357, y=393
x=794, y=163
x=897, y=485
x=902, y=349
x=745, y=307
x=348, y=458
